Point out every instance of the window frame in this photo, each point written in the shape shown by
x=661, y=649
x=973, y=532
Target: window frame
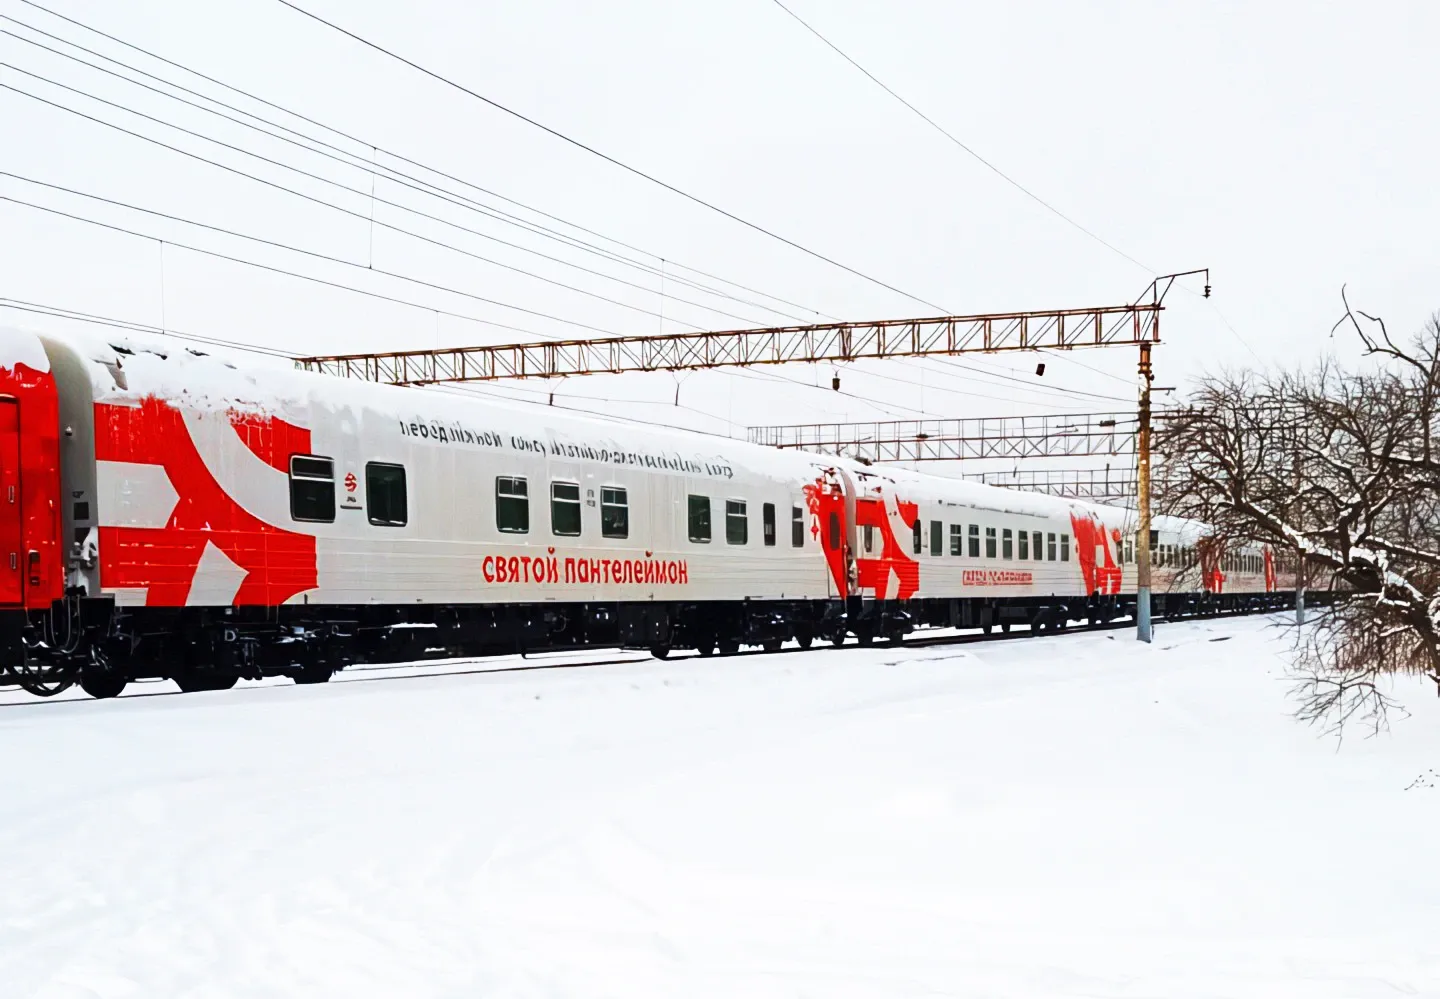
x=622, y=505
x=512, y=496
x=973, y=540
x=1050, y=546
x=556, y=504
x=743, y=516
x=918, y=531
x=1064, y=546
x=1022, y=546
x=991, y=543
x=691, y=508
x=370, y=494
x=797, y=527
x=768, y=530
x=1037, y=546
x=1007, y=544
x=937, y=538
x=957, y=539
x=311, y=477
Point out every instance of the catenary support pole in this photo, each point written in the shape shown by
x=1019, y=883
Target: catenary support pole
x=1142, y=532
x=1299, y=551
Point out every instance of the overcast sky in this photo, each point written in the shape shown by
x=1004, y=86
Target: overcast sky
x=1289, y=147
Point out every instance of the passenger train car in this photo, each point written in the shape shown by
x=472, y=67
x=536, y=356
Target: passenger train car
x=169, y=514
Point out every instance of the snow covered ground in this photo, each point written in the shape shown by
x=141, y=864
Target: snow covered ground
x=1067, y=816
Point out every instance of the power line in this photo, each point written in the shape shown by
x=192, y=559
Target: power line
x=609, y=159
x=323, y=281
x=398, y=177
x=321, y=201
x=935, y=125
x=57, y=312
x=388, y=152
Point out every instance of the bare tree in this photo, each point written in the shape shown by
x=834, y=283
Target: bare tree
x=1342, y=468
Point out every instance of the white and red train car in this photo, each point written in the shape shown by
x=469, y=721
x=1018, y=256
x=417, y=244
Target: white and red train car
x=169, y=514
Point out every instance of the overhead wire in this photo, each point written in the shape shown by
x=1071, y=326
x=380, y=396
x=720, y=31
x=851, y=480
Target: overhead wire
x=320, y=201
x=57, y=312
x=364, y=144
x=390, y=53
x=963, y=146
x=308, y=277
x=354, y=161
x=357, y=165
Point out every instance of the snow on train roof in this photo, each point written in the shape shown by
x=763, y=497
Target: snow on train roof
x=206, y=381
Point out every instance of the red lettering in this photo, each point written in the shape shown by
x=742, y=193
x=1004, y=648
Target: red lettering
x=487, y=568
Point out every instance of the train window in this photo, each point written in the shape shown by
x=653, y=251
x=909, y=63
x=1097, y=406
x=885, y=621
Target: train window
x=957, y=539
x=834, y=532
x=1065, y=547
x=989, y=542
x=1024, y=540
x=1037, y=545
x=974, y=539
x=1050, y=547
x=614, y=512
x=565, y=509
x=867, y=539
x=700, y=519
x=385, y=494
x=1007, y=547
x=919, y=532
x=797, y=527
x=767, y=523
x=512, y=505
x=312, y=488
x=1128, y=555
x=937, y=538
x=737, y=523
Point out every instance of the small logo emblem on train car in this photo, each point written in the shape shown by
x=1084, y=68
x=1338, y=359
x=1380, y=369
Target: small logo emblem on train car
x=351, y=482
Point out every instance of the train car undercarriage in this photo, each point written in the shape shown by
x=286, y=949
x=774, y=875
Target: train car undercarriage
x=101, y=647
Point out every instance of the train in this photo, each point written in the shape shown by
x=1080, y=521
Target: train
x=166, y=513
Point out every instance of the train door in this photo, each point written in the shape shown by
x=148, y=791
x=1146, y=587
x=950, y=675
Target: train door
x=11, y=571
x=832, y=500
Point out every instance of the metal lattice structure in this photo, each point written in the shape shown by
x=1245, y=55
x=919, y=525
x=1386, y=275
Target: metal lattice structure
x=1008, y=437
x=1099, y=485
x=1064, y=329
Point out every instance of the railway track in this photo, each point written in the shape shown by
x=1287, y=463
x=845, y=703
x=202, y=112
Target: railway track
x=452, y=667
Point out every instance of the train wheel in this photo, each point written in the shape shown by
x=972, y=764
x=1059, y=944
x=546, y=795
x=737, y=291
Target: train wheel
x=865, y=638
x=804, y=639
x=772, y=646
x=896, y=638
x=837, y=639
x=985, y=629
x=1005, y=627
x=729, y=648
x=660, y=651
x=706, y=648
x=320, y=673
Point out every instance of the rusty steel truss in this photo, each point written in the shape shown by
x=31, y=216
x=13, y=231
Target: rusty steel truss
x=1011, y=437
x=1099, y=485
x=1137, y=323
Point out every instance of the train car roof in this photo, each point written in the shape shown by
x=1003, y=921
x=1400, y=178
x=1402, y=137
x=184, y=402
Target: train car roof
x=126, y=369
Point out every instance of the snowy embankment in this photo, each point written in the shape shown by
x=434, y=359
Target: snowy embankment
x=1062, y=816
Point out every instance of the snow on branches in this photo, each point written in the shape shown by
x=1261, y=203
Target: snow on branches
x=1343, y=467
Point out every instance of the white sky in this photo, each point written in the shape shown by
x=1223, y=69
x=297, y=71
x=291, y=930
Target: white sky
x=1289, y=147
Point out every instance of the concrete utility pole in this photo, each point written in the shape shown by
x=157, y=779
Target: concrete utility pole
x=1143, y=630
